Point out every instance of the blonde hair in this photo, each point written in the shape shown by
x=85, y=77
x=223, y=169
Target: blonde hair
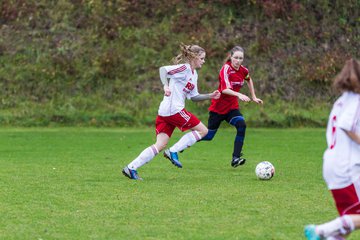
x=349, y=77
x=187, y=53
x=232, y=51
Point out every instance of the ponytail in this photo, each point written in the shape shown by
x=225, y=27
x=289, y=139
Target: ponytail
x=187, y=53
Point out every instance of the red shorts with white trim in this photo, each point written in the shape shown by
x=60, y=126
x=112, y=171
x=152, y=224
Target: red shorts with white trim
x=183, y=120
x=347, y=199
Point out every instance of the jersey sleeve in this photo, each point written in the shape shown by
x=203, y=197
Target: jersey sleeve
x=177, y=71
x=350, y=117
x=246, y=74
x=224, y=78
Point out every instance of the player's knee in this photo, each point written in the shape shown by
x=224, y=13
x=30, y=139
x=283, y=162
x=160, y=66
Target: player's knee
x=210, y=135
x=161, y=146
x=239, y=123
x=203, y=132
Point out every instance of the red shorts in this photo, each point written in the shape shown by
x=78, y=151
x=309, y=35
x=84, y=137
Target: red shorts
x=183, y=120
x=347, y=199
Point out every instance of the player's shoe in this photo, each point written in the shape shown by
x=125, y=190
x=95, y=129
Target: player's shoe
x=310, y=233
x=132, y=174
x=173, y=157
x=237, y=161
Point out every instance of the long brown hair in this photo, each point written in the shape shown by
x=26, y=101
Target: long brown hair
x=187, y=53
x=232, y=51
x=349, y=77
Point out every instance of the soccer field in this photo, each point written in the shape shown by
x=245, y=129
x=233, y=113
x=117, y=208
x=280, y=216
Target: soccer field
x=66, y=183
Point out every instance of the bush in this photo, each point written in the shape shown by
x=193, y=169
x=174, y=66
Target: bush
x=52, y=52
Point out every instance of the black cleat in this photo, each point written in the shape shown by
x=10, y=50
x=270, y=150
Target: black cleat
x=237, y=161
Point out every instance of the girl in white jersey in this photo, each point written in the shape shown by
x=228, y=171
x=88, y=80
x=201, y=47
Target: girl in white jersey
x=341, y=166
x=180, y=83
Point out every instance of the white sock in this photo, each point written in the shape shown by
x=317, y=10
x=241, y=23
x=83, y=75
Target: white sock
x=144, y=157
x=335, y=238
x=339, y=226
x=186, y=141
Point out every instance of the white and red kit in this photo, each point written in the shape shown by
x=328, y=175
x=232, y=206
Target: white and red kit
x=341, y=166
x=172, y=112
x=233, y=79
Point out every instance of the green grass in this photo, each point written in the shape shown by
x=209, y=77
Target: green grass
x=65, y=183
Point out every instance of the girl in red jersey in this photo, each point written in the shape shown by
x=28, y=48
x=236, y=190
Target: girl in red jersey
x=231, y=79
x=172, y=113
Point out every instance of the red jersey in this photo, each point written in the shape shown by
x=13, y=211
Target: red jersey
x=233, y=79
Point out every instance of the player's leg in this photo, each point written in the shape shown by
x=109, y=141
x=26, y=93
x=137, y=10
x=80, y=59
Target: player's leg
x=335, y=229
x=236, y=119
x=347, y=203
x=214, y=122
x=144, y=157
x=185, y=141
x=150, y=152
x=162, y=140
x=355, y=218
x=164, y=132
x=185, y=121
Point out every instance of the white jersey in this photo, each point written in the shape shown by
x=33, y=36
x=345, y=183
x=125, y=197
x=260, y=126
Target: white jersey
x=341, y=165
x=182, y=84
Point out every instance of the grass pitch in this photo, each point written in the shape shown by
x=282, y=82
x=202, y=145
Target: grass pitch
x=67, y=184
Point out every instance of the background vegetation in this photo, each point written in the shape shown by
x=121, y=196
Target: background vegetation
x=95, y=63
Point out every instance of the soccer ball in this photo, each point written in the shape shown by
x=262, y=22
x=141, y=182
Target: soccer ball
x=265, y=170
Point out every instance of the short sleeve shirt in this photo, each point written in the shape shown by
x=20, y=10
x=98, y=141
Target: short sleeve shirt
x=229, y=78
x=182, y=84
x=342, y=157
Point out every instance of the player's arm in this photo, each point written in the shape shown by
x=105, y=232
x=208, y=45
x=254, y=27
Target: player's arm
x=355, y=137
x=225, y=85
x=201, y=97
x=250, y=84
x=241, y=96
x=164, y=80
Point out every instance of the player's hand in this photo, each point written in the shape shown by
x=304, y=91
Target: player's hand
x=167, y=91
x=244, y=98
x=215, y=95
x=257, y=100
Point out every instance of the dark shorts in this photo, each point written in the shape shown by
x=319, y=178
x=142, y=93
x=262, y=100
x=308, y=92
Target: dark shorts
x=215, y=119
